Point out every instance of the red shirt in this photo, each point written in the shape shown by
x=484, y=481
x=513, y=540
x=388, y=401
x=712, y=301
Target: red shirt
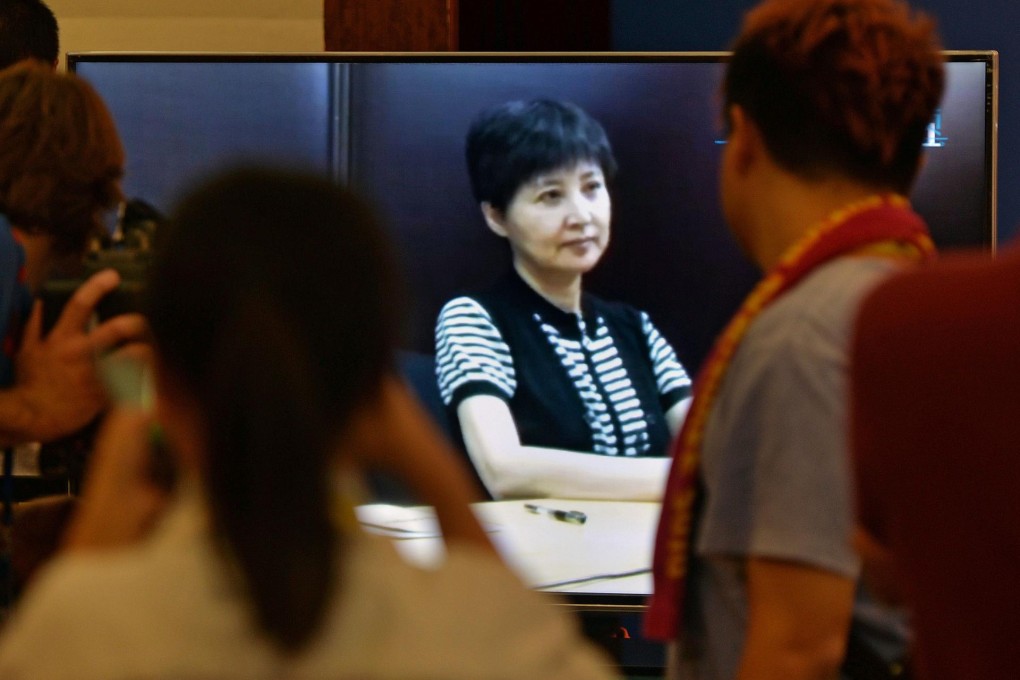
x=936, y=434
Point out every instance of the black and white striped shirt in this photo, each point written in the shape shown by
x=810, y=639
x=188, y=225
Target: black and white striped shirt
x=599, y=381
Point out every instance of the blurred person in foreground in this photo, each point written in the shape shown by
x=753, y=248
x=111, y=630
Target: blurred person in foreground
x=935, y=378
x=826, y=104
x=273, y=386
x=28, y=30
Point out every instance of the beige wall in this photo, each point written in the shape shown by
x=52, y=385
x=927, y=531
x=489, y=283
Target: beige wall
x=189, y=25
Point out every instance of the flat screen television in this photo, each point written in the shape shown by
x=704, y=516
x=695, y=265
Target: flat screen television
x=392, y=126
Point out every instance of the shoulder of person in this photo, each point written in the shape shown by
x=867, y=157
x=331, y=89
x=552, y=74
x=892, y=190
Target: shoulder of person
x=62, y=626
x=471, y=612
x=815, y=317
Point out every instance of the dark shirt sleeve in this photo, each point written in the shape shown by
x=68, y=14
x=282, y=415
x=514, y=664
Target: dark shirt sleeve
x=672, y=380
x=471, y=356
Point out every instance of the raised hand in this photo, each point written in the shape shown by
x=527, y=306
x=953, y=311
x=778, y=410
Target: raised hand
x=57, y=389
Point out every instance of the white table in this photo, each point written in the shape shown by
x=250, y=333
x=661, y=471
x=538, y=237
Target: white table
x=611, y=553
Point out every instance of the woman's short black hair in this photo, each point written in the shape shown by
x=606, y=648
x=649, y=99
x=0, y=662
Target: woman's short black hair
x=507, y=145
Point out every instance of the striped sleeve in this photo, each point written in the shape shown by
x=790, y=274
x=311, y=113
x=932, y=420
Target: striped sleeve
x=673, y=382
x=471, y=356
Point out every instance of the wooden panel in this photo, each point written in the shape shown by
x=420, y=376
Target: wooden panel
x=192, y=9
x=469, y=25
x=535, y=25
x=390, y=25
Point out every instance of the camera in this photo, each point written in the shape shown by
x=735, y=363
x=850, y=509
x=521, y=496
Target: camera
x=127, y=246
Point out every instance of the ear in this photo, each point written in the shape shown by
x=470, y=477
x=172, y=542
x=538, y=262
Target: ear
x=494, y=218
x=745, y=140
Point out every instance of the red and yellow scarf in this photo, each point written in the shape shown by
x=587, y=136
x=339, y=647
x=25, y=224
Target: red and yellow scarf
x=882, y=224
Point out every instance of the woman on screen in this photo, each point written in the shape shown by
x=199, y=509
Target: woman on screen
x=274, y=383
x=557, y=392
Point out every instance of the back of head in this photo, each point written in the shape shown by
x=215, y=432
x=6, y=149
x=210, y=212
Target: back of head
x=28, y=30
x=509, y=144
x=272, y=308
x=844, y=87
x=60, y=156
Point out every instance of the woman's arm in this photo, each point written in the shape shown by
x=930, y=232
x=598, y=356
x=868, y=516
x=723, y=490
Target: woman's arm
x=119, y=502
x=676, y=415
x=512, y=470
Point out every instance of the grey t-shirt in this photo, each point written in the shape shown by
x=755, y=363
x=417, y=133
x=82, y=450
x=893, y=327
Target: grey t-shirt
x=775, y=465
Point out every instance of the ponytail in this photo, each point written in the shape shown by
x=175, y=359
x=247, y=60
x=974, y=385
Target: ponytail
x=272, y=301
x=269, y=478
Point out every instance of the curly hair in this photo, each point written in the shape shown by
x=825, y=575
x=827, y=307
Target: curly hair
x=839, y=86
x=61, y=159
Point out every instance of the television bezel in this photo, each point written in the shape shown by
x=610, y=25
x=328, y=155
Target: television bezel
x=608, y=601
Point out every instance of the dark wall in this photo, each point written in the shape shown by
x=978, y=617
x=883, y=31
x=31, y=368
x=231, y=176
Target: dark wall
x=180, y=121
x=670, y=253
x=964, y=24
x=534, y=25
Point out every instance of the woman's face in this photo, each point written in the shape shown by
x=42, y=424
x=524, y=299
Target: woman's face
x=557, y=223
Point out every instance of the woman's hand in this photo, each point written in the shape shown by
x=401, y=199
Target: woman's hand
x=119, y=502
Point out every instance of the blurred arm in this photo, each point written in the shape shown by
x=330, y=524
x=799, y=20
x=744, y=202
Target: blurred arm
x=397, y=436
x=798, y=620
x=878, y=566
x=676, y=415
x=119, y=502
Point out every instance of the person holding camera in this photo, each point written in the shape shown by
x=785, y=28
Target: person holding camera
x=61, y=161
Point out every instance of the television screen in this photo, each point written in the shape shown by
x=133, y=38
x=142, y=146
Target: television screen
x=393, y=127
